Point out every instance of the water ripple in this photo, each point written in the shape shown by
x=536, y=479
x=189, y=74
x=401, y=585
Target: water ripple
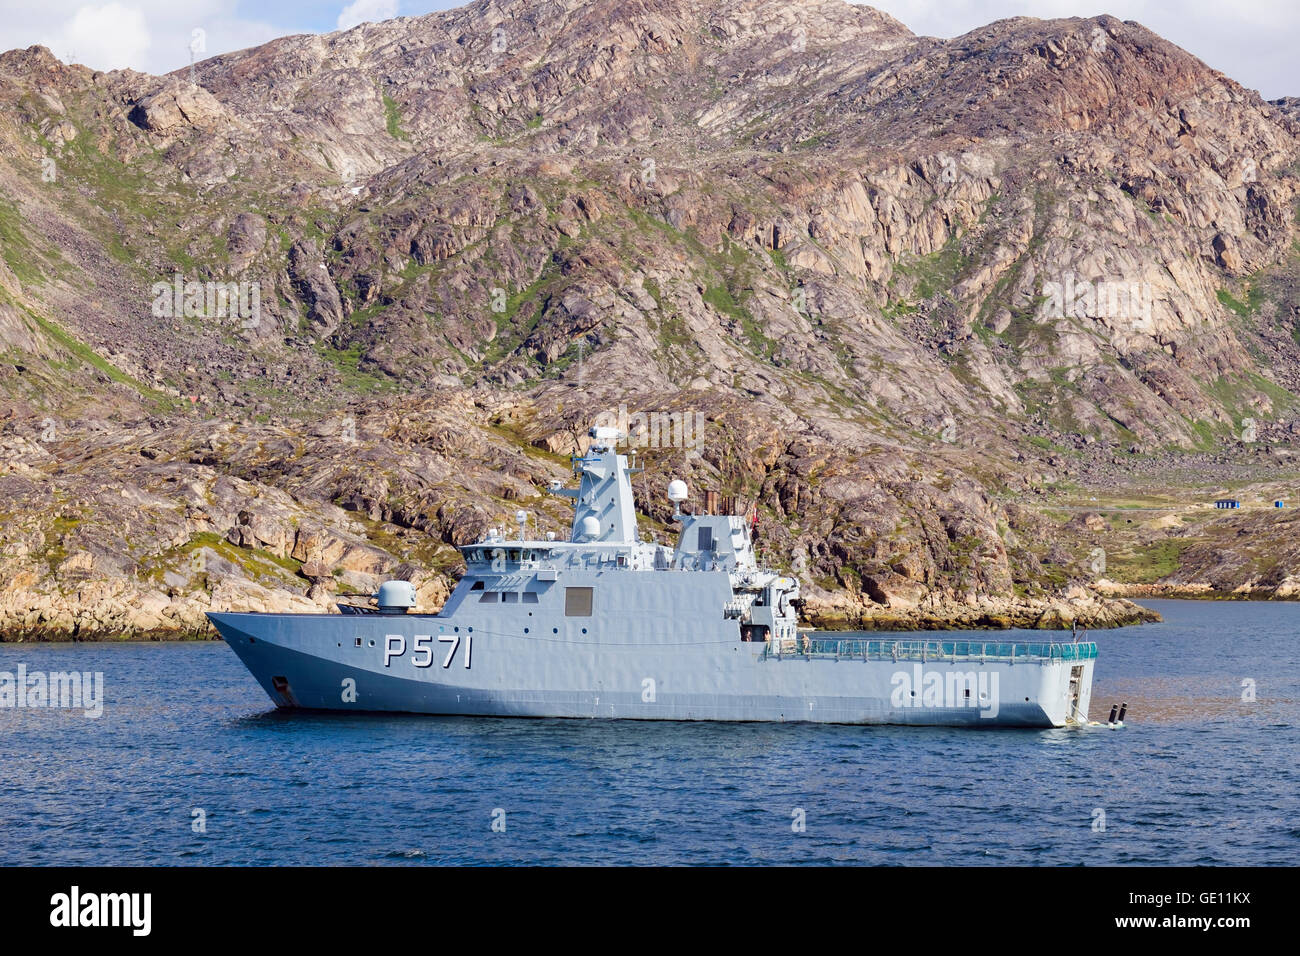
x=190, y=765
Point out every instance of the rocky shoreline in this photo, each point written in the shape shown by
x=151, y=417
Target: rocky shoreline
x=116, y=610
x=1288, y=591
x=1076, y=608
x=108, y=614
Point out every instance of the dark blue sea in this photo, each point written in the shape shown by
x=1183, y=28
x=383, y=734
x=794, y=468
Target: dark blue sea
x=1198, y=775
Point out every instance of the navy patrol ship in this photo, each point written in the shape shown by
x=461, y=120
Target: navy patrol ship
x=608, y=625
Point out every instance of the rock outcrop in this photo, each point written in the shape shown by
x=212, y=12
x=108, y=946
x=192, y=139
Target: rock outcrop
x=910, y=289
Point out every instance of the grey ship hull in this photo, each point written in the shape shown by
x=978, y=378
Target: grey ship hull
x=606, y=625
x=315, y=662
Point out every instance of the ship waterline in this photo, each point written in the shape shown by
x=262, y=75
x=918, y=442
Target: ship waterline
x=605, y=625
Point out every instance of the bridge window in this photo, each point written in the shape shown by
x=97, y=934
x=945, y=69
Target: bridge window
x=530, y=597
x=705, y=539
x=489, y=597
x=476, y=586
x=510, y=597
x=577, y=602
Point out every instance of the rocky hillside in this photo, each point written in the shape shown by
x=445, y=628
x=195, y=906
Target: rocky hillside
x=333, y=305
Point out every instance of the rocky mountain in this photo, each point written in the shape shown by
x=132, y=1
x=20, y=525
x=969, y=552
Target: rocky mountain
x=312, y=313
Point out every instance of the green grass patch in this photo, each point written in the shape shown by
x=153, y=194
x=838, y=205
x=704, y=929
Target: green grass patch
x=1254, y=298
x=256, y=563
x=811, y=142
x=393, y=119
x=937, y=272
x=720, y=297
x=1147, y=564
x=89, y=356
x=348, y=363
x=18, y=251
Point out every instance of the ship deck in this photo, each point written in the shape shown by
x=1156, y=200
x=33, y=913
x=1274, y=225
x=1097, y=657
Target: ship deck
x=932, y=651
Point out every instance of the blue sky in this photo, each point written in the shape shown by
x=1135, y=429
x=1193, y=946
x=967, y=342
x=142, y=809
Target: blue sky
x=1253, y=41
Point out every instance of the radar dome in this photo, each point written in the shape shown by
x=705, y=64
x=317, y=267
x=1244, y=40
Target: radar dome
x=590, y=528
x=677, y=490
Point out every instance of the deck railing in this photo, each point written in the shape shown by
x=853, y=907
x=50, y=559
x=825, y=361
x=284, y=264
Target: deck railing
x=936, y=651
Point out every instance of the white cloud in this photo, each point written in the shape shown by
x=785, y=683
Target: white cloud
x=1252, y=41
x=366, y=11
x=149, y=35
x=111, y=33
